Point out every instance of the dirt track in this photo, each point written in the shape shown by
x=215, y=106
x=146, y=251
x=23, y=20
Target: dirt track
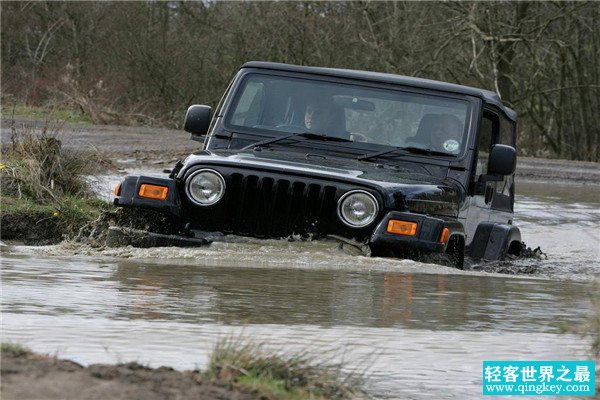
x=32, y=376
x=158, y=146
x=139, y=145
x=542, y=169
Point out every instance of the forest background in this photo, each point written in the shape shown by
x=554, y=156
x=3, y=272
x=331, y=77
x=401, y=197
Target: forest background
x=144, y=63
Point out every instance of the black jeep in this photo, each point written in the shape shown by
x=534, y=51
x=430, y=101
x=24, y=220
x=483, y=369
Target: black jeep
x=402, y=165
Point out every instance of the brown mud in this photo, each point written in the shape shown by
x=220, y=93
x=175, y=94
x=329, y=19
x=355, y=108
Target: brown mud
x=32, y=227
x=96, y=232
x=27, y=375
x=125, y=145
x=38, y=228
x=559, y=171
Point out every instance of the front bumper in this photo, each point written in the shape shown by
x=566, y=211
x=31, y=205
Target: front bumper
x=127, y=194
x=426, y=239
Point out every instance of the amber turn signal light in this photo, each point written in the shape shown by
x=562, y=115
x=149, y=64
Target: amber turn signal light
x=402, y=227
x=445, y=235
x=117, y=188
x=153, y=191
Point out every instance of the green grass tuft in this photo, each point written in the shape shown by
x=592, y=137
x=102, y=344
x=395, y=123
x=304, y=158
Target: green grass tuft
x=67, y=216
x=45, y=194
x=47, y=114
x=14, y=349
x=36, y=166
x=282, y=376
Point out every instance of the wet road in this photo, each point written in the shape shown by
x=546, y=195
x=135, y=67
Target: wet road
x=419, y=330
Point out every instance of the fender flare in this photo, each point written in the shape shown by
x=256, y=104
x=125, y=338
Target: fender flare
x=493, y=240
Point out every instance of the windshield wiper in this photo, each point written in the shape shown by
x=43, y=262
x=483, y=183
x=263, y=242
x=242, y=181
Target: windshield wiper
x=417, y=150
x=420, y=150
x=307, y=135
x=379, y=153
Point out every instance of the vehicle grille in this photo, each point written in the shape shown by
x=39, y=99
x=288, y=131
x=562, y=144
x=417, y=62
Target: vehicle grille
x=273, y=205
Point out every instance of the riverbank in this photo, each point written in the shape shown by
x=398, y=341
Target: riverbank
x=237, y=371
x=27, y=375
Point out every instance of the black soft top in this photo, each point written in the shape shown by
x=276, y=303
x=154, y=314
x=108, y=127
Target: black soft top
x=486, y=95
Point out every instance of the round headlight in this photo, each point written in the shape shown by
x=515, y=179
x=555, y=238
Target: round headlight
x=205, y=187
x=357, y=208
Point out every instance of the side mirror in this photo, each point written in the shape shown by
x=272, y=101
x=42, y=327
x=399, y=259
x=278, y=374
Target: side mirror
x=197, y=120
x=503, y=160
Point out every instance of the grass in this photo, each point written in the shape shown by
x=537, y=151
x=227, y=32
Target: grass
x=65, y=217
x=271, y=375
x=35, y=165
x=281, y=376
x=46, y=113
x=15, y=349
x=85, y=206
x=87, y=114
x=44, y=192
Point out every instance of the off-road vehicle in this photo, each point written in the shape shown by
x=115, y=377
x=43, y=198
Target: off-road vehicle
x=403, y=166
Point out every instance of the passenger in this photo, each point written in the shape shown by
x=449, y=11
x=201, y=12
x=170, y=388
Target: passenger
x=439, y=132
x=447, y=134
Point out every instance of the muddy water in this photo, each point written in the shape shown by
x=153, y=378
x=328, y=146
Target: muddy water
x=418, y=330
x=565, y=221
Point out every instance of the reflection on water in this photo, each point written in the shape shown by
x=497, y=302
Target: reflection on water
x=326, y=298
x=424, y=335
x=248, y=295
x=400, y=323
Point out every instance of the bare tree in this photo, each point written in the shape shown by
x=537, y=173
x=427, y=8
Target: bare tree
x=147, y=61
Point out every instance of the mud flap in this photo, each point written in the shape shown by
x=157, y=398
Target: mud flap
x=491, y=241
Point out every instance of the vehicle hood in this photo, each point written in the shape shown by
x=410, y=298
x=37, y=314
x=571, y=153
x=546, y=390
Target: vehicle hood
x=403, y=185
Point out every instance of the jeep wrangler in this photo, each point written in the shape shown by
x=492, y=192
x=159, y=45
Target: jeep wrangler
x=402, y=166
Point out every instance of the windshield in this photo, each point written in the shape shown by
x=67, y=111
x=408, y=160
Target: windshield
x=359, y=113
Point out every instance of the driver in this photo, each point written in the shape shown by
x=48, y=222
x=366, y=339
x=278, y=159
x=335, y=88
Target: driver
x=316, y=118
x=326, y=118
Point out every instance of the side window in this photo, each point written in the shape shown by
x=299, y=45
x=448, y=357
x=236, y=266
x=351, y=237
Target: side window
x=495, y=129
x=505, y=190
x=488, y=132
x=507, y=129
